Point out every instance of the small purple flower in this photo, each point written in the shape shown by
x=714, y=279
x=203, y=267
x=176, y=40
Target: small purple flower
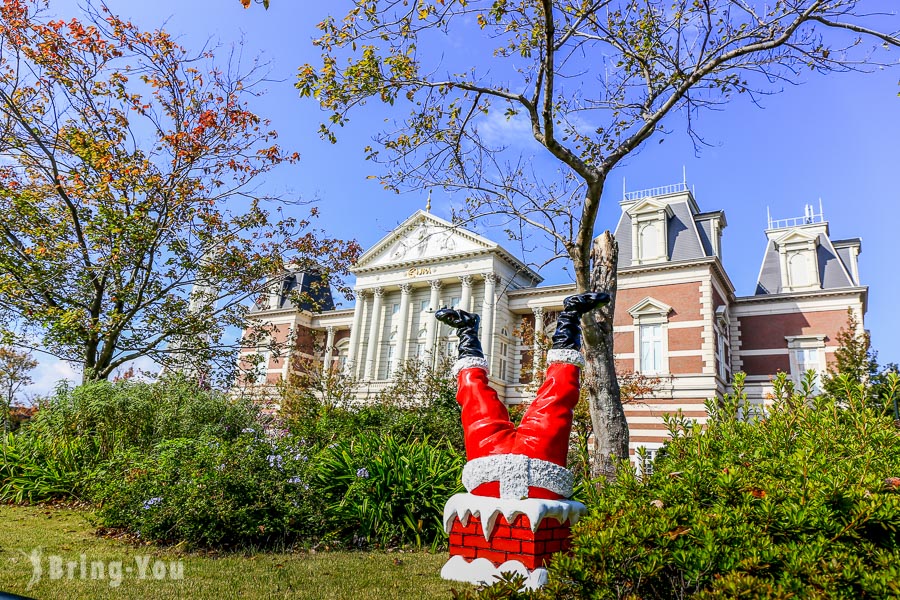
x=295, y=480
x=362, y=473
x=275, y=460
x=299, y=456
x=248, y=430
x=152, y=502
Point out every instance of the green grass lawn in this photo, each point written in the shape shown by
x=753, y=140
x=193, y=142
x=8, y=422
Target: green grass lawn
x=66, y=533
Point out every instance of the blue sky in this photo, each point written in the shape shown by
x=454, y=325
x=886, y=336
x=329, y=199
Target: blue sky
x=834, y=137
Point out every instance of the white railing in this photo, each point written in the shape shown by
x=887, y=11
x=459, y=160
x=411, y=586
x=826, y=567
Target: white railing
x=657, y=191
x=809, y=217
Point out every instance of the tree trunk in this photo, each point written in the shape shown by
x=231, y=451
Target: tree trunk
x=604, y=398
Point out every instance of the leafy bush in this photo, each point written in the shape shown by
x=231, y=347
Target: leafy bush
x=211, y=492
x=801, y=500
x=420, y=403
x=382, y=490
x=33, y=469
x=126, y=414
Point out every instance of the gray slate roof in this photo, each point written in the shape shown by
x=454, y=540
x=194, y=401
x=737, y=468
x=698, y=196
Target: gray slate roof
x=688, y=236
x=833, y=271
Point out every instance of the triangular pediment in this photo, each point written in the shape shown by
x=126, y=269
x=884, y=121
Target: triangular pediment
x=422, y=237
x=796, y=236
x=649, y=306
x=648, y=205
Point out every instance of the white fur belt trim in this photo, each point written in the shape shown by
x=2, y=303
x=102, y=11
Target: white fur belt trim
x=516, y=473
x=564, y=355
x=469, y=362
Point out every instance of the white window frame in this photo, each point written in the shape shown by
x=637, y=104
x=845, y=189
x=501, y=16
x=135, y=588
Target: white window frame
x=791, y=246
x=652, y=449
x=650, y=212
x=503, y=353
x=723, y=342
x=650, y=311
x=807, y=343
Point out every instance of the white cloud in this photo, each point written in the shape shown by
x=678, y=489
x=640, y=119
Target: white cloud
x=47, y=375
x=498, y=130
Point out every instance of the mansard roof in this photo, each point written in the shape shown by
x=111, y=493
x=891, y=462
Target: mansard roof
x=834, y=271
x=424, y=238
x=689, y=231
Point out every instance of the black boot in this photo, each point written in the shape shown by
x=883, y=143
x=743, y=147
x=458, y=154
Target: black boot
x=466, y=325
x=568, y=324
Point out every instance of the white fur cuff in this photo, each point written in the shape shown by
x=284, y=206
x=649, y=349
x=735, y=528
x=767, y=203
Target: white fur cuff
x=469, y=362
x=563, y=355
x=516, y=473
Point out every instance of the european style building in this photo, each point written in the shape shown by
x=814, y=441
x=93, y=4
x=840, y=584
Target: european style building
x=678, y=319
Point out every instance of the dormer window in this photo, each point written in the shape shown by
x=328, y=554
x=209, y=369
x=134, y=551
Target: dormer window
x=649, y=231
x=799, y=263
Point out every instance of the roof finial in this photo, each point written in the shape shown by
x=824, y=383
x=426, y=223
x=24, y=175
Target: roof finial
x=428, y=202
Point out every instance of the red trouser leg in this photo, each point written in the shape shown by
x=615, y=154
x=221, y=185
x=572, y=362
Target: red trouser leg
x=485, y=419
x=486, y=423
x=547, y=424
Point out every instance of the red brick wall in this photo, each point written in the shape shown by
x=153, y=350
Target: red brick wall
x=685, y=339
x=684, y=298
x=766, y=365
x=768, y=331
x=717, y=298
x=623, y=342
x=681, y=365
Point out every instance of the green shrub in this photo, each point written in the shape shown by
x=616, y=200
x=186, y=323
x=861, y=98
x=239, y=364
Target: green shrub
x=798, y=501
x=380, y=490
x=249, y=491
x=34, y=469
x=420, y=403
x=133, y=414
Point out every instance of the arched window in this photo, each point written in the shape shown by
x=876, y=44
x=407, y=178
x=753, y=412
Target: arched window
x=649, y=241
x=798, y=269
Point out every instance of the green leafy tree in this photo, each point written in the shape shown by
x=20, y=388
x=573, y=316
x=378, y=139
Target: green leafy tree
x=855, y=367
x=133, y=220
x=590, y=81
x=15, y=369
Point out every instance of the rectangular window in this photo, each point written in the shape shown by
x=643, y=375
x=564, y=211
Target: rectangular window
x=503, y=360
x=644, y=458
x=262, y=367
x=423, y=305
x=454, y=302
x=420, y=351
x=395, y=309
x=651, y=348
x=808, y=359
x=720, y=356
x=390, y=362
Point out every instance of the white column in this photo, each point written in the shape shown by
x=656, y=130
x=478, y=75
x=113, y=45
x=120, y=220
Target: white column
x=536, y=348
x=355, y=330
x=288, y=355
x=403, y=326
x=329, y=348
x=466, y=299
x=374, y=334
x=431, y=325
x=487, y=315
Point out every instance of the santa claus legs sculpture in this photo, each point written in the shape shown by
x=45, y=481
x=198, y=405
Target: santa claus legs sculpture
x=517, y=513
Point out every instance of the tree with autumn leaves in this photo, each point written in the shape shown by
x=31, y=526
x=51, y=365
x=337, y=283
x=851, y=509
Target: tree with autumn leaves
x=133, y=223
